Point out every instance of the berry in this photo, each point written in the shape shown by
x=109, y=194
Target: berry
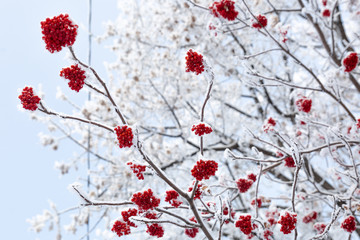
x=155, y=230
x=127, y=214
x=358, y=124
x=191, y=232
x=244, y=223
x=151, y=215
x=58, y=32
x=194, y=62
x=304, y=104
x=326, y=13
x=349, y=224
x=145, y=200
x=121, y=228
x=310, y=217
x=324, y=2
x=76, y=76
x=269, y=125
x=171, y=197
x=288, y=222
x=198, y=191
x=226, y=214
x=267, y=234
x=251, y=176
x=201, y=129
x=350, y=62
x=204, y=169
x=224, y=8
x=243, y=184
x=137, y=169
x=319, y=227
x=28, y=99
x=124, y=136
x=289, y=162
x=260, y=23
x=259, y=202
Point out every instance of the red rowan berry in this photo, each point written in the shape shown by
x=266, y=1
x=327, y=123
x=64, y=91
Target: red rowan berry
x=28, y=99
x=171, y=197
x=124, y=136
x=138, y=170
x=76, y=76
x=244, y=223
x=252, y=176
x=155, y=230
x=194, y=62
x=243, y=184
x=121, y=228
x=127, y=214
x=288, y=222
x=224, y=8
x=289, y=162
x=326, y=13
x=191, y=232
x=204, y=169
x=145, y=200
x=269, y=125
x=198, y=190
x=304, y=104
x=310, y=217
x=260, y=23
x=151, y=215
x=324, y=2
x=226, y=214
x=358, y=124
x=259, y=202
x=58, y=32
x=201, y=129
x=319, y=227
x=267, y=234
x=350, y=62
x=349, y=224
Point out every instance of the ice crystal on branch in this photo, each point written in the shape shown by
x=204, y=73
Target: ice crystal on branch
x=76, y=76
x=121, y=228
x=288, y=222
x=145, y=200
x=350, y=62
x=201, y=129
x=58, y=32
x=194, y=62
x=260, y=22
x=349, y=224
x=204, y=169
x=28, y=99
x=125, y=136
x=225, y=9
x=244, y=223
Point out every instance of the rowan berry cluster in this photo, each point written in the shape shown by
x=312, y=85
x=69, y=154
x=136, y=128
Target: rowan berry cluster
x=252, y=176
x=137, y=169
x=244, y=184
x=28, y=99
x=125, y=136
x=288, y=222
x=198, y=190
x=289, y=162
x=155, y=230
x=225, y=9
x=304, y=104
x=191, y=232
x=269, y=125
x=204, y=169
x=268, y=234
x=310, y=217
x=201, y=129
x=194, y=62
x=76, y=76
x=349, y=224
x=244, y=223
x=121, y=228
x=319, y=227
x=260, y=22
x=129, y=213
x=326, y=13
x=258, y=201
x=58, y=32
x=145, y=200
x=171, y=197
x=350, y=62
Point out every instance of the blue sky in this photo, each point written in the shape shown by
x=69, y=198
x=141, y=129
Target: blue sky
x=28, y=179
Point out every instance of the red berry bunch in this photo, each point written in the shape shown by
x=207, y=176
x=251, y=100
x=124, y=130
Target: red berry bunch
x=191, y=232
x=259, y=202
x=204, y=169
x=151, y=215
x=358, y=124
x=288, y=222
x=127, y=214
x=319, y=227
x=244, y=184
x=76, y=76
x=324, y=2
x=304, y=104
x=145, y=200
x=252, y=176
x=194, y=62
x=349, y=224
x=224, y=8
x=326, y=13
x=268, y=234
x=125, y=136
x=201, y=129
x=28, y=99
x=310, y=217
x=244, y=223
x=198, y=191
x=155, y=230
x=269, y=125
x=121, y=228
x=350, y=62
x=260, y=22
x=171, y=197
x=138, y=170
x=58, y=32
x=289, y=162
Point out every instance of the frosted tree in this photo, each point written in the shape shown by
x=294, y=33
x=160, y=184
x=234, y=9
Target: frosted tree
x=219, y=120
